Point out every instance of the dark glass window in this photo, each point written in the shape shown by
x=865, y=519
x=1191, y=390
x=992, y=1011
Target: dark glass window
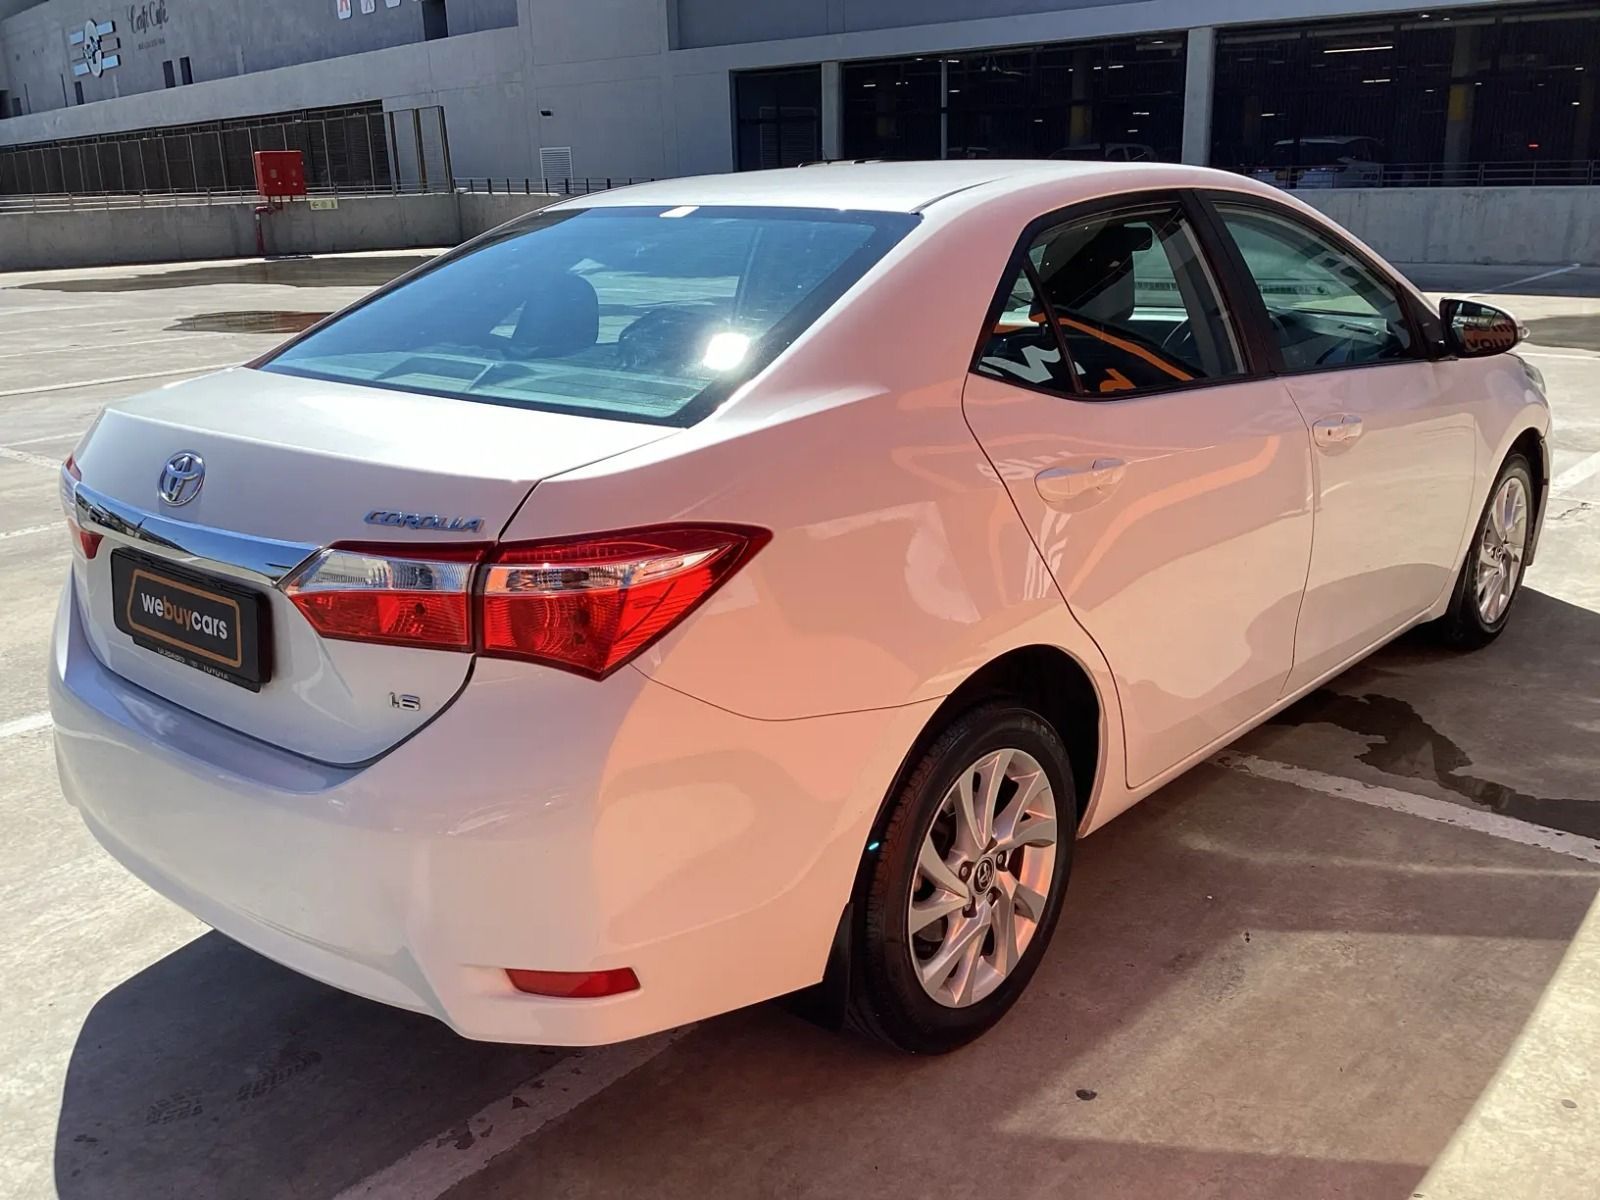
x=1454, y=97
x=644, y=314
x=167, y=74
x=891, y=109
x=1132, y=302
x=435, y=20
x=779, y=117
x=186, y=71
x=1021, y=346
x=1328, y=309
x=77, y=90
x=1120, y=101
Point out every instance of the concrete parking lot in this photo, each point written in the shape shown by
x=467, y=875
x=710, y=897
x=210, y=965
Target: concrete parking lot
x=1357, y=955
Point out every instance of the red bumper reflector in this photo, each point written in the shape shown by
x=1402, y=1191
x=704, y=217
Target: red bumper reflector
x=575, y=985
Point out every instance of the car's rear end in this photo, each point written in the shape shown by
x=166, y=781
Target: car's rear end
x=302, y=686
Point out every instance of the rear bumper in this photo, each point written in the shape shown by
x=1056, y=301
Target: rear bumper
x=542, y=821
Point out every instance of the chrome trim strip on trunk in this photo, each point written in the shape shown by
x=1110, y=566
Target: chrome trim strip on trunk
x=266, y=558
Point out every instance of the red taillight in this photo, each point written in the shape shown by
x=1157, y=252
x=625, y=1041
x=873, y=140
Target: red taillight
x=85, y=540
x=88, y=541
x=574, y=985
x=590, y=604
x=398, y=596
x=583, y=604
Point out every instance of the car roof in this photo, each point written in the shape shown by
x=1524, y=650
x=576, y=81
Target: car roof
x=890, y=186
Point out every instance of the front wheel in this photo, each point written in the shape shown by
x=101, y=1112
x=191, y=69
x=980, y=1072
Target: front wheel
x=1492, y=574
x=965, y=886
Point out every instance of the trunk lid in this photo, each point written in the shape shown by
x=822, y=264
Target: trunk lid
x=290, y=466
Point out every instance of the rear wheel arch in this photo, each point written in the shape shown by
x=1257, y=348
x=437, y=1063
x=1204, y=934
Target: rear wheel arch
x=1044, y=678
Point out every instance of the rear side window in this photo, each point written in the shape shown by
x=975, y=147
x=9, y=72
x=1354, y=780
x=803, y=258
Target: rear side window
x=1327, y=308
x=1132, y=305
x=642, y=314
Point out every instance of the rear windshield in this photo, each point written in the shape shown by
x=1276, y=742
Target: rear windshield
x=639, y=314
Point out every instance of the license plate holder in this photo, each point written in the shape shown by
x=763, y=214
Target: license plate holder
x=191, y=617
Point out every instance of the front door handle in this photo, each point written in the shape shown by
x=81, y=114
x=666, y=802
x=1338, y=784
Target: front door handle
x=1336, y=432
x=1092, y=481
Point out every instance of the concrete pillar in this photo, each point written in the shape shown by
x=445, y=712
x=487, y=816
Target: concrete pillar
x=1199, y=83
x=832, y=124
x=1458, y=112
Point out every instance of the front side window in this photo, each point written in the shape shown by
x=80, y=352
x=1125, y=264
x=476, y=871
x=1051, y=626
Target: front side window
x=1327, y=307
x=643, y=314
x=1133, y=303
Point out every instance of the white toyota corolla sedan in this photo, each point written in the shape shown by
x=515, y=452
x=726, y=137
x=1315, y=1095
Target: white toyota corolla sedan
x=695, y=593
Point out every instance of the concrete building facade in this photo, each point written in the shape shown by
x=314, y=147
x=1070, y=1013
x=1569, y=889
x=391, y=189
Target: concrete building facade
x=1322, y=92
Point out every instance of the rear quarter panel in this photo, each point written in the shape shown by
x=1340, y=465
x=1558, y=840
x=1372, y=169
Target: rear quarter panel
x=898, y=564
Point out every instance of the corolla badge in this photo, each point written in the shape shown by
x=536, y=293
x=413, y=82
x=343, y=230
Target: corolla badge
x=182, y=477
x=430, y=521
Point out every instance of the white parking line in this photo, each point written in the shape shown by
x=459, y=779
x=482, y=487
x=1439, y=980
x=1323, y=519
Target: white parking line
x=436, y=1166
x=1530, y=279
x=21, y=725
x=1575, y=474
x=29, y=529
x=1506, y=828
x=197, y=369
x=33, y=460
x=48, y=437
x=1588, y=358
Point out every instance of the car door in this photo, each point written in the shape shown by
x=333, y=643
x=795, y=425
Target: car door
x=1393, y=448
x=1166, y=483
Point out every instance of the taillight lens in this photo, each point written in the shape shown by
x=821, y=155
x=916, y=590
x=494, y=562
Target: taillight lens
x=583, y=604
x=590, y=604
x=84, y=539
x=395, y=596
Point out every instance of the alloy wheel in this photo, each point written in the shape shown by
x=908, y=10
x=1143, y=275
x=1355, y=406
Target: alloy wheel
x=1501, y=549
x=983, y=877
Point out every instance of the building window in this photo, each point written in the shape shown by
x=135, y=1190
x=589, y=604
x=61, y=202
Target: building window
x=167, y=75
x=186, y=71
x=435, y=21
x=77, y=90
x=1461, y=96
x=1119, y=100
x=779, y=117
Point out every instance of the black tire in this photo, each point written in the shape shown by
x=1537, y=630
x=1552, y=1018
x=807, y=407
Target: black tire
x=887, y=1001
x=1463, y=626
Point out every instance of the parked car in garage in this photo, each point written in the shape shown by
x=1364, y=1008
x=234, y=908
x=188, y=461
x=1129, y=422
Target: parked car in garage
x=1324, y=161
x=696, y=592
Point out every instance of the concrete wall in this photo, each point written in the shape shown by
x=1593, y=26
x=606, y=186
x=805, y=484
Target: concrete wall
x=89, y=237
x=1497, y=226
x=1513, y=225
x=479, y=213
x=208, y=33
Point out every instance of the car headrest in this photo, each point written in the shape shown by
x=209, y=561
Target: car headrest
x=1093, y=277
x=561, y=316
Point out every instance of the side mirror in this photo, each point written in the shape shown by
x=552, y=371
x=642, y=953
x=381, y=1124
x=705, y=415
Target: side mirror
x=1474, y=330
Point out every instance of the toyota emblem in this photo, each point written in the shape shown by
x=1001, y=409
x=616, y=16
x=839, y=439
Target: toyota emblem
x=181, y=477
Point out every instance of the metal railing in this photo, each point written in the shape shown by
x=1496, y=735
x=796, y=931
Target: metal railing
x=1568, y=173
x=348, y=149
x=548, y=185
x=102, y=201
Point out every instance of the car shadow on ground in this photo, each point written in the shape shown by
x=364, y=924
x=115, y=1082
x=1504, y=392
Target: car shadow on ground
x=1257, y=991
x=218, y=1073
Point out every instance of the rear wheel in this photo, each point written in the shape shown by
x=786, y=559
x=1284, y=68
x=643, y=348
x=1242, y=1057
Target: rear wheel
x=1491, y=577
x=964, y=890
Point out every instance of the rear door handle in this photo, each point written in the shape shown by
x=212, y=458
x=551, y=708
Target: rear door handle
x=1336, y=432
x=1095, y=481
